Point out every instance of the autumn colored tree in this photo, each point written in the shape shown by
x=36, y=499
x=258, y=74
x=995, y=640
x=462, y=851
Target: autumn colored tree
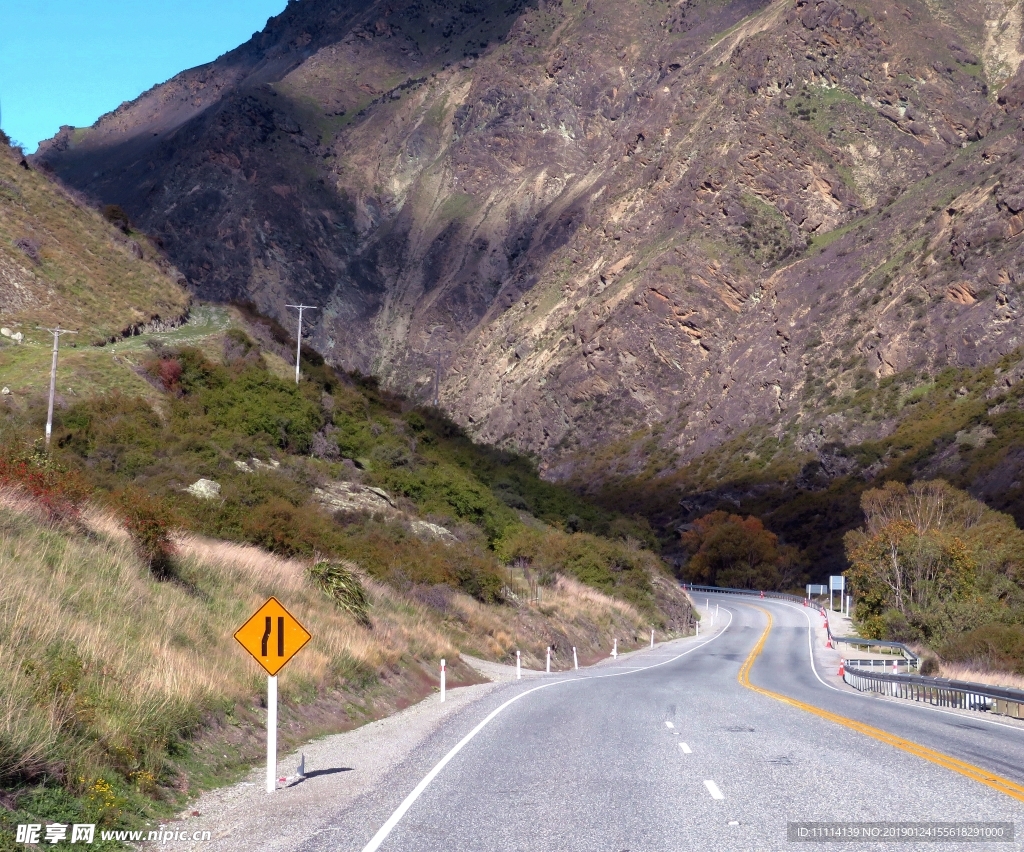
x=923, y=565
x=730, y=550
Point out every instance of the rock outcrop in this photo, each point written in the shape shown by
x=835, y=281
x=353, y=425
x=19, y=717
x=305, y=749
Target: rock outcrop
x=601, y=218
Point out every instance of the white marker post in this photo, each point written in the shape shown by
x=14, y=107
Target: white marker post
x=696, y=624
x=615, y=648
x=271, y=733
x=442, y=680
x=652, y=638
x=575, y=661
x=519, y=670
x=548, y=666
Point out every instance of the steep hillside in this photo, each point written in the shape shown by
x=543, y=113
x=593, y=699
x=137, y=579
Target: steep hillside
x=670, y=221
x=61, y=262
x=125, y=693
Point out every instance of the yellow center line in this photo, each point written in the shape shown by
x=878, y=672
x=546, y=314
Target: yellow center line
x=976, y=773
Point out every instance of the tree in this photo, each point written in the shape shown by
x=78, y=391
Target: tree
x=729, y=550
x=923, y=565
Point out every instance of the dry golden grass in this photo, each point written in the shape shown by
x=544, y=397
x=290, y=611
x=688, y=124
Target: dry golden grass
x=993, y=678
x=102, y=666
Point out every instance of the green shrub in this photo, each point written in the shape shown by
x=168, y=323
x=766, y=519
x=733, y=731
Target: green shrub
x=992, y=646
x=149, y=520
x=341, y=585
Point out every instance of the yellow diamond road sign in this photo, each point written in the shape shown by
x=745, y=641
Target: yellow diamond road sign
x=272, y=636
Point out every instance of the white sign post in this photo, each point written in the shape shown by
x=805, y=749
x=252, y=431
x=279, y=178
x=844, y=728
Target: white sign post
x=575, y=661
x=442, y=680
x=273, y=637
x=615, y=648
x=836, y=583
x=271, y=733
x=519, y=671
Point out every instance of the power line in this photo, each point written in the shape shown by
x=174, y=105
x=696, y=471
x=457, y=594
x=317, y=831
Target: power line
x=298, y=342
x=56, y=332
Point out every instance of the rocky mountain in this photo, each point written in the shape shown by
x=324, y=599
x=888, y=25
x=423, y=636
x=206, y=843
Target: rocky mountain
x=608, y=224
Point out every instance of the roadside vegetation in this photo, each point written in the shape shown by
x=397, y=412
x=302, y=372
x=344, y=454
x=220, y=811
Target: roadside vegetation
x=123, y=687
x=124, y=691
x=963, y=426
x=933, y=566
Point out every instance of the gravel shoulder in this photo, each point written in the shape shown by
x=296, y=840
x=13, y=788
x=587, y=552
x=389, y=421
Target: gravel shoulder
x=339, y=769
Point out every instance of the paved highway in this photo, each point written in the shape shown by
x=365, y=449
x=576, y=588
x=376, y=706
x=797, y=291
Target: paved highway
x=668, y=750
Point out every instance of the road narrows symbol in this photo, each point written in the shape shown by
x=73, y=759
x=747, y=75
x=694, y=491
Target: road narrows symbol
x=272, y=629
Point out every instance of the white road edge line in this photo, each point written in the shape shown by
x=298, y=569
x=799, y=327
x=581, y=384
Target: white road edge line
x=713, y=790
x=400, y=811
x=909, y=705
x=685, y=748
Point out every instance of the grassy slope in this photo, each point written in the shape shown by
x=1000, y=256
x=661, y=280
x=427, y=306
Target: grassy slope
x=86, y=276
x=125, y=691
x=250, y=407
x=112, y=680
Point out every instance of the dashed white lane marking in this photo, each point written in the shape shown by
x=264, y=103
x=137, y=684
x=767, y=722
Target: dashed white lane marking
x=393, y=820
x=713, y=790
x=669, y=725
x=685, y=748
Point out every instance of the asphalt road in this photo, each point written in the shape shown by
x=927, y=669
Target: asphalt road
x=666, y=750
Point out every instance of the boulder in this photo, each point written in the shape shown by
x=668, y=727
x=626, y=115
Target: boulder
x=204, y=489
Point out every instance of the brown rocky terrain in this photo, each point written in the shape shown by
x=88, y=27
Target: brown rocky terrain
x=611, y=222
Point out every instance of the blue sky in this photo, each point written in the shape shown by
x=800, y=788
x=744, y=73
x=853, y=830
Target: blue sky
x=70, y=61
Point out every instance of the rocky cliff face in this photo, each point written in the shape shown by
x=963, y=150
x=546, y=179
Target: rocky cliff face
x=601, y=218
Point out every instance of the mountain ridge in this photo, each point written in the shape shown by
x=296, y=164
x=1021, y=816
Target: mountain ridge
x=681, y=220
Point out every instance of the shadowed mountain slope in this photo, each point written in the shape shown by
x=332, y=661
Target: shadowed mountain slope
x=678, y=221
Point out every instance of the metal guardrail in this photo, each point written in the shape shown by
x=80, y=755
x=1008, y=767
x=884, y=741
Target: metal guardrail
x=940, y=691
x=880, y=664
x=718, y=590
x=937, y=691
x=909, y=658
x=779, y=596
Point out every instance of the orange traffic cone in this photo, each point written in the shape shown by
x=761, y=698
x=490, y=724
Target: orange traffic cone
x=828, y=642
x=842, y=667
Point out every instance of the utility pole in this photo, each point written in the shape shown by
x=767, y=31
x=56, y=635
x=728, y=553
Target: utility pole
x=56, y=332
x=437, y=380
x=298, y=342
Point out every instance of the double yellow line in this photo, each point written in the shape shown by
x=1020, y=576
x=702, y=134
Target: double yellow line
x=975, y=773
